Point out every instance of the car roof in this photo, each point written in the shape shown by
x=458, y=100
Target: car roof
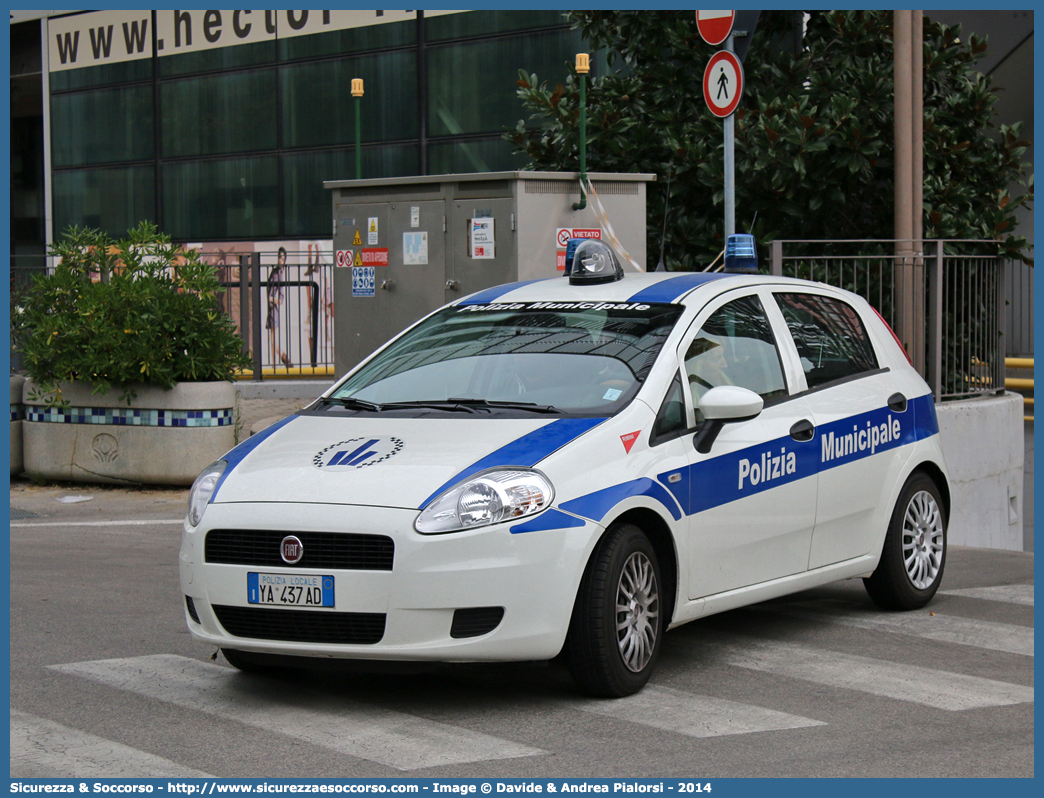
x=659, y=287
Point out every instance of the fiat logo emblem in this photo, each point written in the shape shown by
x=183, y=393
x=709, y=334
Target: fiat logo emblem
x=291, y=550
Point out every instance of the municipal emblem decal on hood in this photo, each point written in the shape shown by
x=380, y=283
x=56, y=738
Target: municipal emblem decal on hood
x=357, y=453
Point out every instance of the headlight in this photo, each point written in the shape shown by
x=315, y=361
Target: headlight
x=203, y=489
x=500, y=494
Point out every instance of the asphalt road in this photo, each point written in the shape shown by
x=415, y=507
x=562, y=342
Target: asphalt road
x=106, y=681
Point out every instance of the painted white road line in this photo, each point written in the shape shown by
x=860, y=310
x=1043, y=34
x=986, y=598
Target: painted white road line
x=694, y=715
x=177, y=521
x=927, y=686
x=1011, y=594
x=43, y=749
x=944, y=628
x=395, y=739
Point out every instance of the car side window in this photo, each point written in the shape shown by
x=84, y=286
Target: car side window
x=735, y=346
x=830, y=337
x=671, y=418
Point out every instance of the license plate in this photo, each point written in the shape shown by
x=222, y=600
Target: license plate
x=290, y=590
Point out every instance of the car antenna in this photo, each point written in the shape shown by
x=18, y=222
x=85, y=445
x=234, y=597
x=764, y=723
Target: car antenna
x=660, y=267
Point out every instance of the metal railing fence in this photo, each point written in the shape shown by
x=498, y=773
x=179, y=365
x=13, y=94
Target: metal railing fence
x=283, y=310
x=946, y=303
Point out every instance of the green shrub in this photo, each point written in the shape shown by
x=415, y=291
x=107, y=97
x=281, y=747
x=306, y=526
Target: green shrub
x=115, y=313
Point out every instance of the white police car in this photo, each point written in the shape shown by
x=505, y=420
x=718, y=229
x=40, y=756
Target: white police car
x=576, y=464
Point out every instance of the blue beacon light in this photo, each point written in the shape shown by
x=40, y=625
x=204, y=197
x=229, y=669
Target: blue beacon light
x=741, y=254
x=571, y=246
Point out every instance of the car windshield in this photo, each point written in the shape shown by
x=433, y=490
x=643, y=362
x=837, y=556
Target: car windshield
x=564, y=357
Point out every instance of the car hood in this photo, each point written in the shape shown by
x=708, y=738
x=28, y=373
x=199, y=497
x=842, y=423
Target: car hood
x=383, y=462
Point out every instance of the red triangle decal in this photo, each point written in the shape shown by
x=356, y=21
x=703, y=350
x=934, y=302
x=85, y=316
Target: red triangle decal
x=629, y=439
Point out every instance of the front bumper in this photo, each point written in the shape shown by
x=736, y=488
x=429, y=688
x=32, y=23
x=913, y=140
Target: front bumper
x=533, y=576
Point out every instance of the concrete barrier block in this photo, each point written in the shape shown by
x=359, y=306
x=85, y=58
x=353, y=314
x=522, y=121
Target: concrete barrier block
x=982, y=440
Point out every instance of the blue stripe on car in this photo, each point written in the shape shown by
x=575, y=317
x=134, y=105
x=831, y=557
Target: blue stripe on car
x=235, y=457
x=525, y=451
x=491, y=295
x=736, y=475
x=670, y=290
x=598, y=504
x=550, y=519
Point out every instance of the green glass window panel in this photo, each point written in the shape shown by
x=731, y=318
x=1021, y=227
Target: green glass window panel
x=235, y=198
x=216, y=114
x=478, y=23
x=241, y=55
x=318, y=107
x=113, y=199
x=352, y=40
x=101, y=75
x=490, y=155
x=102, y=126
x=472, y=85
x=308, y=204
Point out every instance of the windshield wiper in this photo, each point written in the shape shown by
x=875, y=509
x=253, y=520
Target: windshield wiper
x=431, y=404
x=498, y=405
x=460, y=405
x=353, y=404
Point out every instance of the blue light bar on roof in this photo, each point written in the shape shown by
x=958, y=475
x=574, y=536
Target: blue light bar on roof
x=741, y=255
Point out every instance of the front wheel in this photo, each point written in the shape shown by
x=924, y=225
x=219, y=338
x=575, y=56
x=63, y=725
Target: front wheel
x=914, y=552
x=615, y=631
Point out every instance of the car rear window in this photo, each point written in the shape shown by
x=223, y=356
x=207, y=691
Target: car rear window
x=830, y=337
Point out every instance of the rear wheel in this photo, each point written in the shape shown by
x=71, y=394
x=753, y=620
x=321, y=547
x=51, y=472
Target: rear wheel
x=914, y=553
x=614, y=635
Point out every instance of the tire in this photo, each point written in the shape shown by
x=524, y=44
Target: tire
x=614, y=635
x=914, y=553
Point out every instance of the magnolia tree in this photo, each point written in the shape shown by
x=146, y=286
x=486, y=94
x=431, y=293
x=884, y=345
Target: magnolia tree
x=814, y=131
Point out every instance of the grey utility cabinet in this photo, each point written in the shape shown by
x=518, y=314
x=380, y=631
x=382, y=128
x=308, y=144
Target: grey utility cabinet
x=405, y=246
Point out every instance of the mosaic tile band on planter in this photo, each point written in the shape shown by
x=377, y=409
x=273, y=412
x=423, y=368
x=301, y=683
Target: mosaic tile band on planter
x=162, y=437
x=131, y=417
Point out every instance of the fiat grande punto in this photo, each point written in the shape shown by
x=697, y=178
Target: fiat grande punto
x=574, y=466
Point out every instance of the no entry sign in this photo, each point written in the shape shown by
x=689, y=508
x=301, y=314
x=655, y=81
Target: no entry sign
x=715, y=26
x=723, y=83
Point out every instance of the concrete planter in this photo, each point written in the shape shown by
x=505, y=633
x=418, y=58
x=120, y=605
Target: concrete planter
x=162, y=437
x=17, y=414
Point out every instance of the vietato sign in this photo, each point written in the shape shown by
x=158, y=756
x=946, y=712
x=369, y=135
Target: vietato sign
x=109, y=37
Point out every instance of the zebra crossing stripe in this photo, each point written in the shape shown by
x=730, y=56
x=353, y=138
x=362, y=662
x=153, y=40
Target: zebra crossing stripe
x=365, y=731
x=694, y=715
x=927, y=686
x=1010, y=594
x=43, y=749
x=944, y=628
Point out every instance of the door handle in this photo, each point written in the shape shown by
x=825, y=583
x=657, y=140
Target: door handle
x=804, y=430
x=897, y=402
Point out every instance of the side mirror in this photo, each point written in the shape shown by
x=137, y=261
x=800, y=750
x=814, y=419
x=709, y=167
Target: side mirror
x=721, y=405
x=731, y=403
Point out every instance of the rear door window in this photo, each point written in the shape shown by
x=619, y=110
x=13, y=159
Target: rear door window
x=831, y=339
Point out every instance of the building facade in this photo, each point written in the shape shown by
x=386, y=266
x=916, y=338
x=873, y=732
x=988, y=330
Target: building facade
x=222, y=125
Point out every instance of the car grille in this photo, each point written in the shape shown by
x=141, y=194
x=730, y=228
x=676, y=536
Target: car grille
x=302, y=626
x=475, y=621
x=321, y=549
